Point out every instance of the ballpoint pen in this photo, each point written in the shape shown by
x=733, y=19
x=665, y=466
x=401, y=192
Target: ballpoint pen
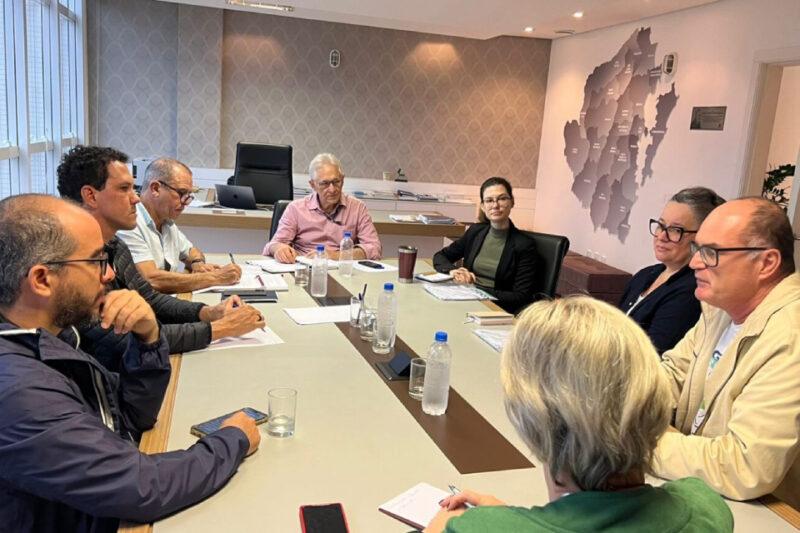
x=230, y=254
x=261, y=281
x=454, y=490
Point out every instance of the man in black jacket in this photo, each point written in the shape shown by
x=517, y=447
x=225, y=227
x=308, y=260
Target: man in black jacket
x=99, y=179
x=67, y=457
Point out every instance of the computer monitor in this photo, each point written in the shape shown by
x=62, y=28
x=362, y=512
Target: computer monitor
x=267, y=169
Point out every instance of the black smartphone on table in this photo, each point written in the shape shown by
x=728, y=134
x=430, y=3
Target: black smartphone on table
x=210, y=426
x=370, y=264
x=323, y=518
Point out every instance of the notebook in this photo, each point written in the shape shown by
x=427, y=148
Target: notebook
x=417, y=506
x=490, y=318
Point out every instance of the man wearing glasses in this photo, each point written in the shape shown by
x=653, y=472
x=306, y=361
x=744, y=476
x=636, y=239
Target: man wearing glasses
x=736, y=374
x=98, y=178
x=323, y=217
x=68, y=456
x=158, y=246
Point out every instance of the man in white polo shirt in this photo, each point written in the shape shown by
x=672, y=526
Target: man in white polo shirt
x=158, y=246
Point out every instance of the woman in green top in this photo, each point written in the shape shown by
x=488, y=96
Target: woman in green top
x=583, y=388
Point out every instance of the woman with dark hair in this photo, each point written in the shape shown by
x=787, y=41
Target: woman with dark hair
x=498, y=257
x=660, y=298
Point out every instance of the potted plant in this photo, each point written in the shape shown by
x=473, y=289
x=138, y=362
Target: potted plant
x=774, y=188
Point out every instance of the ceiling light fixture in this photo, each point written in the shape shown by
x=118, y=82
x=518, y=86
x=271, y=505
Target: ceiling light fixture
x=261, y=5
x=529, y=29
x=578, y=14
x=565, y=32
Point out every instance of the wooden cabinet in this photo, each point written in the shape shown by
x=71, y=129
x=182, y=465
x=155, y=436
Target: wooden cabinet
x=581, y=275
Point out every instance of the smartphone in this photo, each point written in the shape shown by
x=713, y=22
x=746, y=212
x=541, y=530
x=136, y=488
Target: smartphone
x=323, y=518
x=210, y=426
x=370, y=264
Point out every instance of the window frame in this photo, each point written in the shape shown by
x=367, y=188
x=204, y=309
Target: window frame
x=20, y=148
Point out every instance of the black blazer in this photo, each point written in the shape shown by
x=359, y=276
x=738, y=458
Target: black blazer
x=516, y=271
x=667, y=313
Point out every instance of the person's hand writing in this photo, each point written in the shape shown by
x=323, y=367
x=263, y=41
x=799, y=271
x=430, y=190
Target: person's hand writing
x=237, y=321
x=248, y=426
x=469, y=497
x=462, y=275
x=211, y=313
x=126, y=311
x=228, y=274
x=204, y=267
x=284, y=253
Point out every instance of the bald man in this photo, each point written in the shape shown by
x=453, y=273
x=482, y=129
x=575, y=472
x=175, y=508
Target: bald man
x=68, y=460
x=736, y=374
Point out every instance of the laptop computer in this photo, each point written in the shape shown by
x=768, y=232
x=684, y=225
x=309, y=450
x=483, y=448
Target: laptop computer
x=235, y=196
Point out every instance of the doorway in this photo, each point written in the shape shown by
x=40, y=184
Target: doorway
x=774, y=139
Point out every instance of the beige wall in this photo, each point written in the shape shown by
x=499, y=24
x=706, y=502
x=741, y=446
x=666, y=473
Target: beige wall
x=187, y=81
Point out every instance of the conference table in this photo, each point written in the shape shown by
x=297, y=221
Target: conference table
x=360, y=440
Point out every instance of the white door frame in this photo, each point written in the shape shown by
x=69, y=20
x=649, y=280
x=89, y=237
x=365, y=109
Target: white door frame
x=764, y=86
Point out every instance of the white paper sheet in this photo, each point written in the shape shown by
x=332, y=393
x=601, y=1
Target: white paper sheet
x=496, y=338
x=386, y=267
x=256, y=337
x=272, y=266
x=417, y=506
x=253, y=278
x=457, y=292
x=319, y=315
x=332, y=264
x=435, y=277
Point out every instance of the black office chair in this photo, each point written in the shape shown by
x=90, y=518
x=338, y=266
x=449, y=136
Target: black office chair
x=551, y=250
x=267, y=169
x=277, y=213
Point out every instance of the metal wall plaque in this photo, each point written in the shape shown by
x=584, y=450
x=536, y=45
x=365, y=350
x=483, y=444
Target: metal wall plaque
x=708, y=118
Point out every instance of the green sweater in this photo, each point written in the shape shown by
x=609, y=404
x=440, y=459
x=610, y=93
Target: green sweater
x=485, y=264
x=686, y=505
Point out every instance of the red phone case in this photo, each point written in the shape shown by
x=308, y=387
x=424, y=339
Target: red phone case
x=303, y=508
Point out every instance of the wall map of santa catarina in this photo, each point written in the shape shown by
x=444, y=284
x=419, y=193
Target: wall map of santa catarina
x=603, y=147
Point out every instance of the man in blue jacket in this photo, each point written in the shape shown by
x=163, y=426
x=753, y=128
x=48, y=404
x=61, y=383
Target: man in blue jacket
x=67, y=457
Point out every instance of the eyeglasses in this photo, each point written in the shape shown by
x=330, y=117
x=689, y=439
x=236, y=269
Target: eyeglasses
x=184, y=196
x=327, y=183
x=499, y=200
x=710, y=256
x=102, y=261
x=674, y=233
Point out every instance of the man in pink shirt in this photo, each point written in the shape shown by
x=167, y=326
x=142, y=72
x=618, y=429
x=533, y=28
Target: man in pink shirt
x=322, y=218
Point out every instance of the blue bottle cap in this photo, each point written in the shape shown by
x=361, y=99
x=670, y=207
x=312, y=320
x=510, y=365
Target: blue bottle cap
x=348, y=234
x=441, y=336
x=320, y=247
x=388, y=287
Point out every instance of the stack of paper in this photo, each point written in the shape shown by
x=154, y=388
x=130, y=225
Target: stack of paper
x=458, y=292
x=496, y=338
x=257, y=337
x=433, y=277
x=271, y=265
x=430, y=218
x=404, y=218
x=417, y=506
x=253, y=278
x=332, y=264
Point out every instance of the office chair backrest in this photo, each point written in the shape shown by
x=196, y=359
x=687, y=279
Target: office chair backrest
x=267, y=168
x=551, y=250
x=277, y=213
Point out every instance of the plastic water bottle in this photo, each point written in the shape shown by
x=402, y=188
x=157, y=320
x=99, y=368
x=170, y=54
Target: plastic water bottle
x=437, y=376
x=386, y=320
x=319, y=273
x=346, y=255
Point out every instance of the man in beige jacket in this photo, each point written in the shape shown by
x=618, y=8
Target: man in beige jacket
x=736, y=374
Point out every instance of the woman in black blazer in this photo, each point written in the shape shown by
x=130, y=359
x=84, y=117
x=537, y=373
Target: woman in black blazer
x=660, y=298
x=498, y=257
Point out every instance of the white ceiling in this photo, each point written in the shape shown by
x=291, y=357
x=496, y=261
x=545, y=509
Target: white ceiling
x=479, y=19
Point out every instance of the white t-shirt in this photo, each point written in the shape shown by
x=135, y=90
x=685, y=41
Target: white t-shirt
x=722, y=344
x=147, y=244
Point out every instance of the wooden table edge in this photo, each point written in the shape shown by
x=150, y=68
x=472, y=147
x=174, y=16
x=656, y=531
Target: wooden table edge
x=155, y=439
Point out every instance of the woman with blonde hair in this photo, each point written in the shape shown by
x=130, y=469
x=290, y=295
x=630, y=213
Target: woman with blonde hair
x=584, y=390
